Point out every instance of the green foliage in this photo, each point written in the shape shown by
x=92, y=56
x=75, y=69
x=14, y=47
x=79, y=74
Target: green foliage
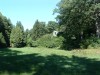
x=17, y=36
x=38, y=30
x=45, y=41
x=51, y=26
x=2, y=41
x=49, y=41
x=29, y=42
x=91, y=42
x=28, y=38
x=35, y=44
x=58, y=41
x=70, y=44
x=5, y=28
x=79, y=19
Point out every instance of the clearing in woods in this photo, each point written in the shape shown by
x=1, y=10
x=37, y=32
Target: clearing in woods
x=44, y=61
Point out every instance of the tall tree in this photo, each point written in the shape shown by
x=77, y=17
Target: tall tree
x=28, y=38
x=78, y=18
x=38, y=30
x=51, y=26
x=97, y=17
x=17, y=35
x=5, y=28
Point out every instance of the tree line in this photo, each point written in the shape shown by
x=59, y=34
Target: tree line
x=20, y=38
x=78, y=23
x=15, y=35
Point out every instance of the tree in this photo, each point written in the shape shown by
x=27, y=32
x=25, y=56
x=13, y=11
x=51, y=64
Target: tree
x=5, y=28
x=77, y=16
x=2, y=41
x=26, y=34
x=51, y=26
x=17, y=35
x=97, y=17
x=38, y=30
x=28, y=38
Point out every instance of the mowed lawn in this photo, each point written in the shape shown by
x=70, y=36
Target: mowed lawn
x=44, y=61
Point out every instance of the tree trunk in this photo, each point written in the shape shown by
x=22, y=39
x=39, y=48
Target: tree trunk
x=6, y=38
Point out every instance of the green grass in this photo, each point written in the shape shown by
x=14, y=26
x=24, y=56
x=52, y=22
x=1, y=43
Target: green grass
x=44, y=61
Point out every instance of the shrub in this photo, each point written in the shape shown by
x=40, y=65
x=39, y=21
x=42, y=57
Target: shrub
x=49, y=41
x=34, y=44
x=91, y=42
x=29, y=42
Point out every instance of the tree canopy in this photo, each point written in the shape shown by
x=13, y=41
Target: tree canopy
x=79, y=19
x=5, y=29
x=38, y=30
x=17, y=35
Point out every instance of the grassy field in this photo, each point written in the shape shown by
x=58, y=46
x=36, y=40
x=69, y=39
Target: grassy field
x=43, y=61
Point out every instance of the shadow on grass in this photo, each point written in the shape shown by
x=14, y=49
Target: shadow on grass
x=61, y=65
x=8, y=52
x=49, y=65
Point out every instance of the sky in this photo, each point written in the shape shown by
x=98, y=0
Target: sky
x=28, y=11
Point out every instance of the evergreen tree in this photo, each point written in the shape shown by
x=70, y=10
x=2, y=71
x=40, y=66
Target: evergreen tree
x=38, y=30
x=28, y=38
x=5, y=28
x=17, y=35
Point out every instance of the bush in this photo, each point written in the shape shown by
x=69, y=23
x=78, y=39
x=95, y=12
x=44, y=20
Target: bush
x=29, y=42
x=49, y=41
x=91, y=42
x=34, y=44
